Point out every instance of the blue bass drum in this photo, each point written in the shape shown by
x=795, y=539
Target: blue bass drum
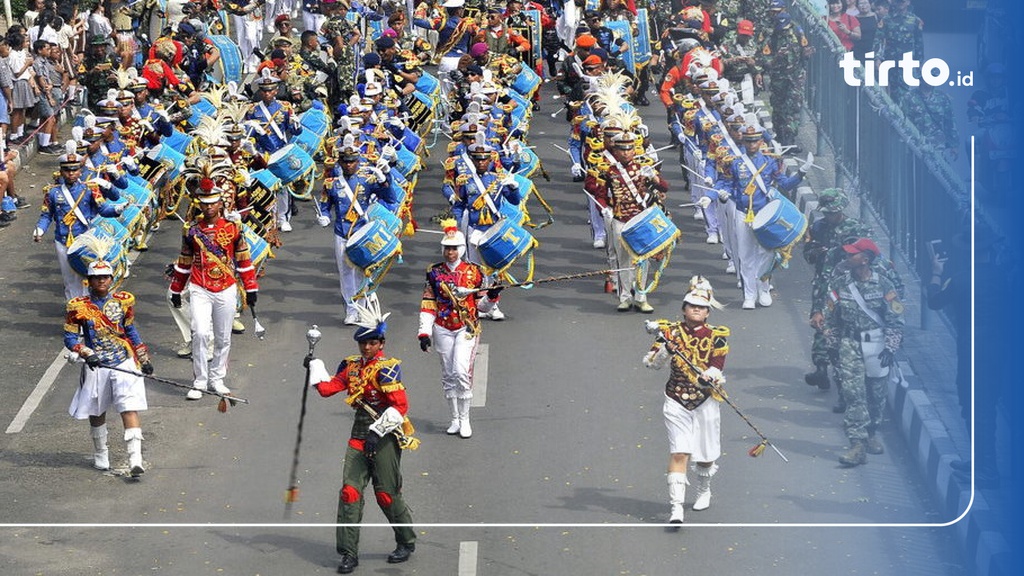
x=371, y=245
x=429, y=86
x=778, y=224
x=106, y=239
x=139, y=191
x=513, y=212
x=649, y=232
x=316, y=121
x=200, y=109
x=178, y=140
x=526, y=82
x=503, y=242
x=259, y=249
x=528, y=163
x=378, y=213
x=309, y=141
x=266, y=179
x=290, y=163
x=408, y=162
x=173, y=159
x=228, y=67
x=411, y=140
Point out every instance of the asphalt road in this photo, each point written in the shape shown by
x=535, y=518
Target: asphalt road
x=565, y=473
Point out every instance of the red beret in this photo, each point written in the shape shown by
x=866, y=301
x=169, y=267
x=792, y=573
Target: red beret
x=586, y=41
x=862, y=245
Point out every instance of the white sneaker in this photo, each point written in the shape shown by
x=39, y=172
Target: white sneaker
x=599, y=243
x=350, y=319
x=465, y=430
x=748, y=304
x=712, y=238
x=284, y=226
x=194, y=394
x=496, y=314
x=764, y=298
x=220, y=388
x=698, y=215
x=730, y=268
x=725, y=255
x=739, y=284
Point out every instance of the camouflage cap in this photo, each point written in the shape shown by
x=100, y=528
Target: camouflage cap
x=832, y=200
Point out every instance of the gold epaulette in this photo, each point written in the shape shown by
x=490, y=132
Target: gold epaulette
x=719, y=330
x=127, y=298
x=449, y=162
x=451, y=148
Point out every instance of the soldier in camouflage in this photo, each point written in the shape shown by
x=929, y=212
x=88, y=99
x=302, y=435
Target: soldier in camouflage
x=98, y=70
x=864, y=320
x=931, y=111
x=345, y=39
x=823, y=249
x=899, y=32
x=784, y=58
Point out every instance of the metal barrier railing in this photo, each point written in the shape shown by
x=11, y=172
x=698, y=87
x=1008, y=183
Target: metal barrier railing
x=879, y=155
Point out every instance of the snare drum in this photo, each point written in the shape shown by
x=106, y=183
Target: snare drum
x=200, y=109
x=290, y=163
x=649, y=232
x=778, y=224
x=170, y=157
x=371, y=245
x=408, y=162
x=308, y=140
x=503, y=242
x=429, y=86
x=178, y=140
x=315, y=120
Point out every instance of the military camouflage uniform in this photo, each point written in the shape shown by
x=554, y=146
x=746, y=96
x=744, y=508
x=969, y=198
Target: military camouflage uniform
x=784, y=61
x=98, y=74
x=846, y=323
x=898, y=33
x=931, y=112
x=340, y=30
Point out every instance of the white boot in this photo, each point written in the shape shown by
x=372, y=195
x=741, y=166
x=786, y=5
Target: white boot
x=100, y=454
x=453, y=403
x=704, y=487
x=133, y=440
x=465, y=430
x=676, y=495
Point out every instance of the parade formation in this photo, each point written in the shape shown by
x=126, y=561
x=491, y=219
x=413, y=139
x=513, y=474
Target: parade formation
x=226, y=122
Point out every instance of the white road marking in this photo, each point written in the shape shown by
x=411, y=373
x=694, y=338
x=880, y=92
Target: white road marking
x=33, y=400
x=480, y=377
x=467, y=558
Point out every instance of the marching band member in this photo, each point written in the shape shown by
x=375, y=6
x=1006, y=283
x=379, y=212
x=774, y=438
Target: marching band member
x=215, y=264
x=696, y=352
x=347, y=196
x=449, y=321
x=70, y=206
x=100, y=328
x=623, y=188
x=455, y=32
x=274, y=123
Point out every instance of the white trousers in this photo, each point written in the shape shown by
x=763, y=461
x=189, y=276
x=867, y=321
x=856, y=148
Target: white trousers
x=74, y=284
x=753, y=258
x=102, y=388
x=212, y=315
x=458, y=355
x=313, y=21
x=351, y=277
x=727, y=229
x=619, y=257
x=597, y=227
x=447, y=64
x=249, y=32
x=694, y=432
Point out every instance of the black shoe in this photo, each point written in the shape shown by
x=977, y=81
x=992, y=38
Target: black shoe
x=818, y=378
x=643, y=101
x=348, y=564
x=20, y=202
x=51, y=150
x=839, y=408
x=401, y=553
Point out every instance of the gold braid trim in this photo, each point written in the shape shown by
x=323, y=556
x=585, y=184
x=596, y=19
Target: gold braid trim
x=459, y=306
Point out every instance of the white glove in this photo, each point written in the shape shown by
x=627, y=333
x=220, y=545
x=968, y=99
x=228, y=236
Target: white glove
x=248, y=146
x=376, y=173
x=515, y=148
x=130, y=164
x=723, y=196
x=323, y=221
x=649, y=172
x=607, y=213
x=577, y=170
x=388, y=153
x=462, y=291
x=704, y=202
x=233, y=216
x=296, y=123
x=101, y=183
x=111, y=169
x=713, y=375
x=511, y=182
x=395, y=122
x=708, y=181
x=652, y=326
x=318, y=372
x=806, y=166
x=682, y=138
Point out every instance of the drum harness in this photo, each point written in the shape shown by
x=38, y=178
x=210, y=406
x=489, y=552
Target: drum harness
x=484, y=190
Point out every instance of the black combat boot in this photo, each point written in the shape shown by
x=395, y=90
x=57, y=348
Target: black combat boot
x=819, y=377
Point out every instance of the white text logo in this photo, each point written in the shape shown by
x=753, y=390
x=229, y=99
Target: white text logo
x=934, y=71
